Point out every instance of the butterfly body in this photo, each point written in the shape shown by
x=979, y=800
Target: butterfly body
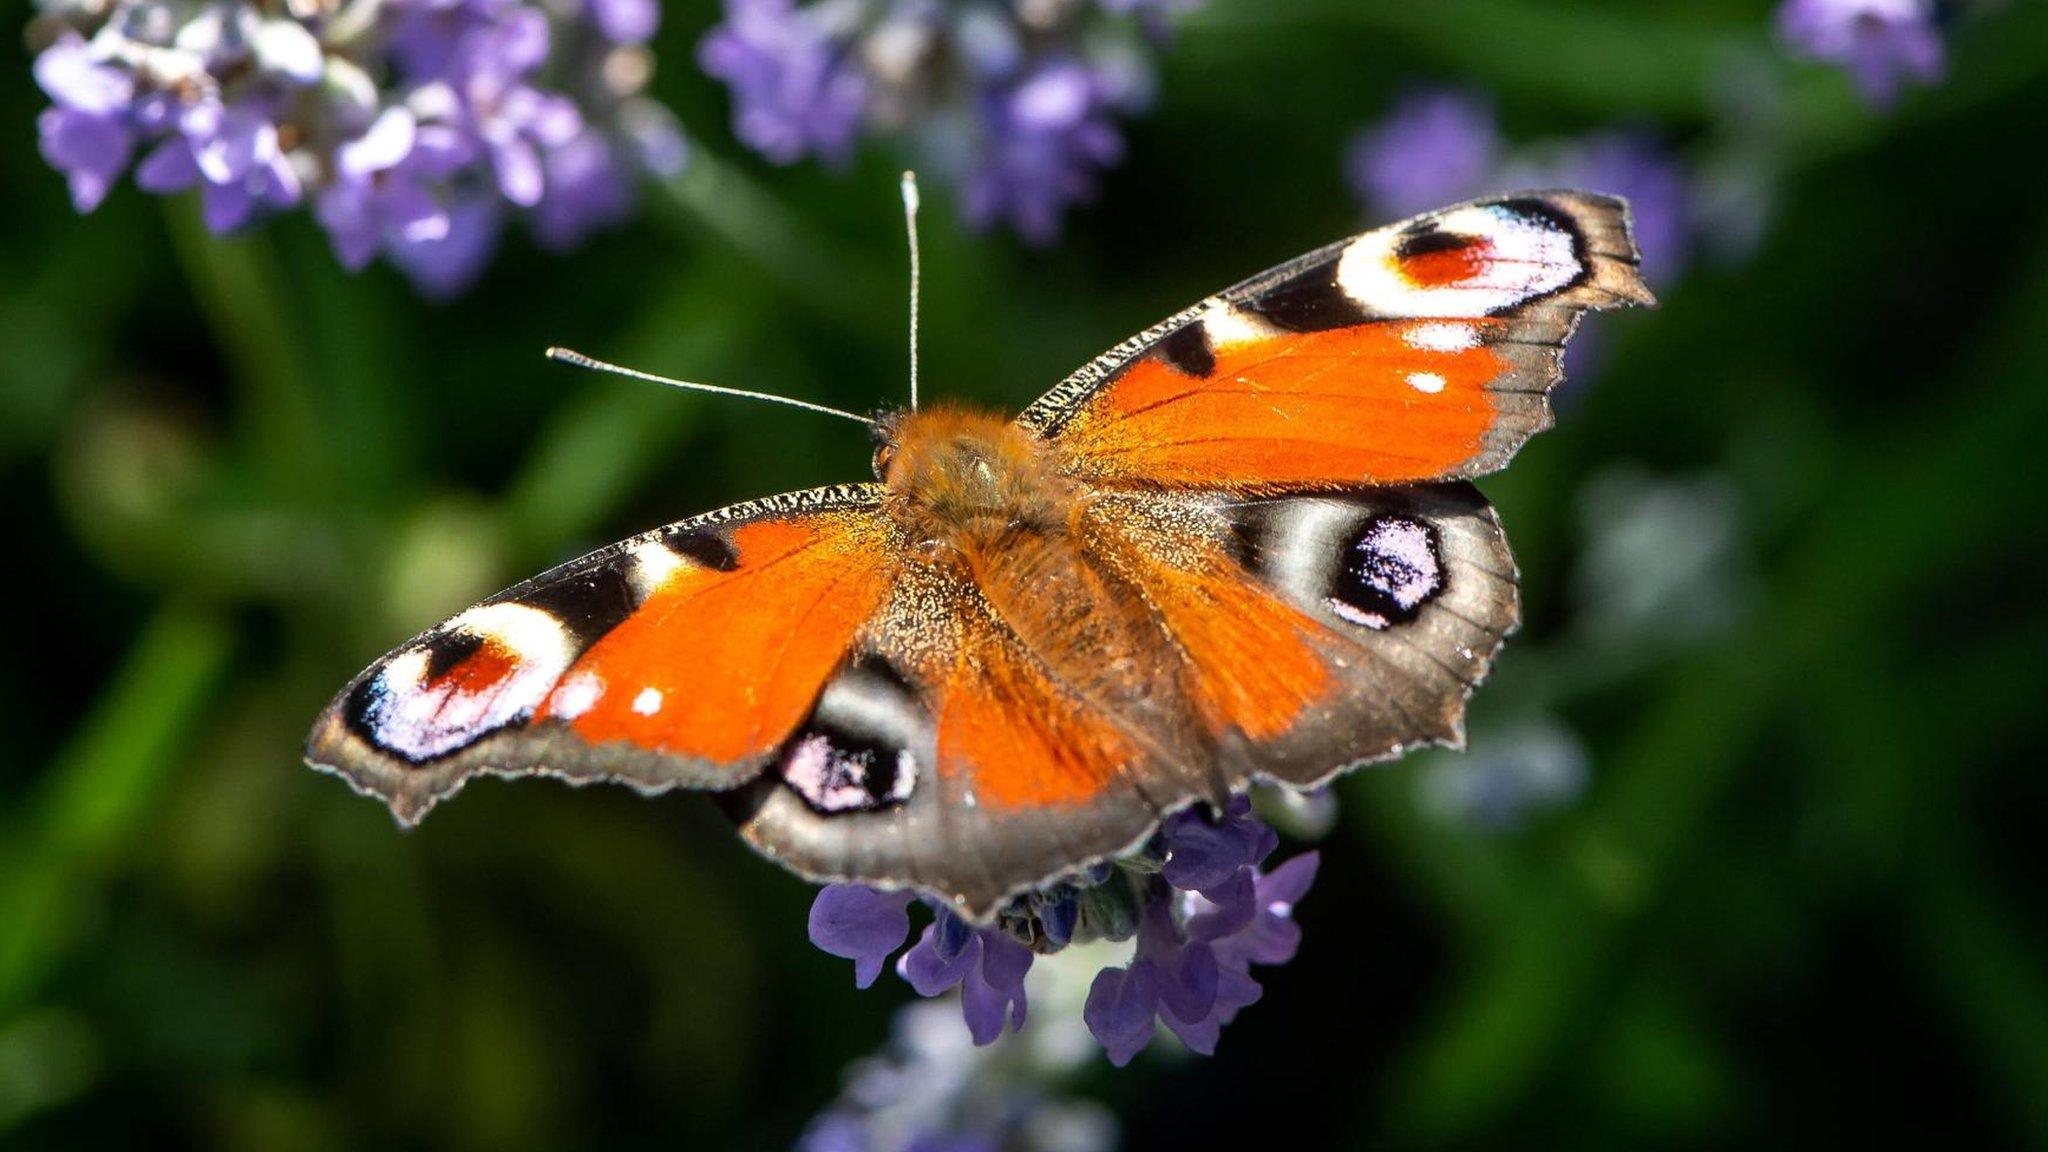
x=1237, y=547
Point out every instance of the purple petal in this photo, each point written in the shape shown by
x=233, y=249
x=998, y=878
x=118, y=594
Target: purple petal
x=523, y=40
x=950, y=935
x=1200, y=854
x=343, y=211
x=520, y=176
x=444, y=267
x=67, y=71
x=1120, y=1008
x=1004, y=961
x=1881, y=43
x=860, y=924
x=414, y=214
x=170, y=168
x=927, y=972
x=1187, y=981
x=1200, y=1035
x=993, y=992
x=625, y=21
x=1225, y=909
x=90, y=150
x=439, y=152
x=384, y=145
x=225, y=207
x=228, y=145
x=1288, y=883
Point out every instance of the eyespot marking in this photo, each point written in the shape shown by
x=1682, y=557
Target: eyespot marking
x=489, y=668
x=861, y=748
x=1393, y=568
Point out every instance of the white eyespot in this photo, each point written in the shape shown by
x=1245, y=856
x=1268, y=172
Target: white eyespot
x=648, y=702
x=1425, y=382
x=1442, y=337
x=576, y=695
x=653, y=563
x=1225, y=326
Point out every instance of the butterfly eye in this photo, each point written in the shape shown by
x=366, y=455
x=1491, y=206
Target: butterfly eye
x=885, y=454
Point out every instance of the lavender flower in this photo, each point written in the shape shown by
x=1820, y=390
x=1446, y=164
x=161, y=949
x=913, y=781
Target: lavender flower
x=1201, y=909
x=1019, y=104
x=986, y=964
x=1042, y=141
x=1506, y=776
x=1882, y=43
x=861, y=924
x=931, y=1090
x=797, y=87
x=415, y=129
x=1636, y=167
x=1436, y=146
x=1192, y=968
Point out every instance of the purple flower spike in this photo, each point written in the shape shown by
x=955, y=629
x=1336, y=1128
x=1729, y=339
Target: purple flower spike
x=1882, y=43
x=415, y=129
x=1044, y=140
x=796, y=89
x=861, y=924
x=1434, y=147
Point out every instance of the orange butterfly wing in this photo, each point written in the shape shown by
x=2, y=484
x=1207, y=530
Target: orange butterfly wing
x=1421, y=351
x=680, y=658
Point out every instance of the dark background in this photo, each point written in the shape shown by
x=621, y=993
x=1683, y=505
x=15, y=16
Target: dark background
x=1798, y=900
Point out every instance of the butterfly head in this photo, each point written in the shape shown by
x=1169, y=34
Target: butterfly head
x=961, y=473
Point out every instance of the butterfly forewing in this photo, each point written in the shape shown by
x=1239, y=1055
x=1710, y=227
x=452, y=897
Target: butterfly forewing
x=1420, y=351
x=647, y=662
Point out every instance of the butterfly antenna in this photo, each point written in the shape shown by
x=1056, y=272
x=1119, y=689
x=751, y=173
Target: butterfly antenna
x=910, y=204
x=581, y=361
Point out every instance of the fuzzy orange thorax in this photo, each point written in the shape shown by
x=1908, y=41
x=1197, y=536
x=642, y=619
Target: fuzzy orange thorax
x=964, y=476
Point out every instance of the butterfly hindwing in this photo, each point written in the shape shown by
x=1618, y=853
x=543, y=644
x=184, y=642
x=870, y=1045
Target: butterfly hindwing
x=1420, y=351
x=679, y=658
x=1319, y=632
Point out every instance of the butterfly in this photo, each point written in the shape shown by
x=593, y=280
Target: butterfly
x=1239, y=546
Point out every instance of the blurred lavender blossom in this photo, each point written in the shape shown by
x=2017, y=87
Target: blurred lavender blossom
x=414, y=129
x=1019, y=104
x=1506, y=777
x=1882, y=44
x=931, y=1089
x=1434, y=147
x=1198, y=901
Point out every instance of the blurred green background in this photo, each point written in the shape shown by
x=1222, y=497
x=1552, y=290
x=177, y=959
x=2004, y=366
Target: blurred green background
x=1798, y=900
